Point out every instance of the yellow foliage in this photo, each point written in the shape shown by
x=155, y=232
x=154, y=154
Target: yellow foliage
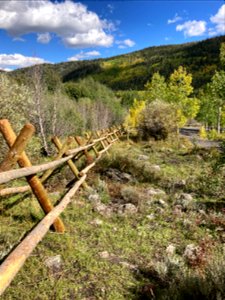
x=132, y=120
x=203, y=133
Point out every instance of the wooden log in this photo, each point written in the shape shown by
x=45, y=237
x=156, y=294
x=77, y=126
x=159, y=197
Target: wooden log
x=89, y=158
x=18, y=256
x=71, y=164
x=31, y=170
x=34, y=182
x=60, y=154
x=17, y=148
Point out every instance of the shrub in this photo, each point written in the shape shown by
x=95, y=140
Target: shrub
x=157, y=121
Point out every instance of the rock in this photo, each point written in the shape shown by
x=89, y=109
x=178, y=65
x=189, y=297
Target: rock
x=96, y=222
x=150, y=217
x=192, y=253
x=54, y=263
x=180, y=184
x=162, y=203
x=170, y=250
x=103, y=209
x=143, y=157
x=155, y=192
x=127, y=209
x=94, y=198
x=156, y=168
x=117, y=175
x=104, y=254
x=185, y=200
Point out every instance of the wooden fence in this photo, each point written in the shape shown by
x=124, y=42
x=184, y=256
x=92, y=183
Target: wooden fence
x=97, y=142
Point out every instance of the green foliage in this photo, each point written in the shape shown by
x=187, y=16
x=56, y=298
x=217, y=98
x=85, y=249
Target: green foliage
x=157, y=88
x=179, y=91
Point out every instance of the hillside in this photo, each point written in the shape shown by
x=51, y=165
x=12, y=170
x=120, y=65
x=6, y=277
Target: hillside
x=131, y=71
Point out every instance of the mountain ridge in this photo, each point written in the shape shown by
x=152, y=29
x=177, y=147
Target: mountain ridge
x=132, y=70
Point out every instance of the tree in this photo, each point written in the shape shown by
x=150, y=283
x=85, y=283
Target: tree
x=133, y=118
x=179, y=91
x=217, y=90
x=15, y=101
x=222, y=54
x=157, y=88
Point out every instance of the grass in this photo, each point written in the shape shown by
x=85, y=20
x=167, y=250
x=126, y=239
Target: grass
x=125, y=256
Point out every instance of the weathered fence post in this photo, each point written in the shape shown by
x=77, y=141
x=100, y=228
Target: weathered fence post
x=36, y=185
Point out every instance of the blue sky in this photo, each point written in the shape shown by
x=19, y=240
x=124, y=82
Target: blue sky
x=38, y=31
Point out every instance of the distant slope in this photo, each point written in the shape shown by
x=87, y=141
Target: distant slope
x=133, y=70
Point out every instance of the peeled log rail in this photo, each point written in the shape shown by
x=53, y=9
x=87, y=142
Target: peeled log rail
x=15, y=174
x=16, y=259
x=18, y=256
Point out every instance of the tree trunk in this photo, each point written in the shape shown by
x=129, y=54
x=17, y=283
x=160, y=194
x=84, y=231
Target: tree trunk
x=219, y=120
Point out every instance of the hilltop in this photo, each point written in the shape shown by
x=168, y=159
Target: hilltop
x=133, y=70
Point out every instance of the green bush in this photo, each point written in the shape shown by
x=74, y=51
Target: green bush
x=157, y=121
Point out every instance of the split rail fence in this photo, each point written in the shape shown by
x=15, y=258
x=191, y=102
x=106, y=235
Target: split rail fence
x=97, y=142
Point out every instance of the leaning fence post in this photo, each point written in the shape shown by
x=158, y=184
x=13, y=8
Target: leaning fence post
x=36, y=185
x=17, y=148
x=71, y=164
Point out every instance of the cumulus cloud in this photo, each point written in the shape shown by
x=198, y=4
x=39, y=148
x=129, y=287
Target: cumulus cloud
x=125, y=44
x=19, y=60
x=219, y=21
x=72, y=22
x=6, y=69
x=175, y=19
x=44, y=38
x=84, y=55
x=192, y=28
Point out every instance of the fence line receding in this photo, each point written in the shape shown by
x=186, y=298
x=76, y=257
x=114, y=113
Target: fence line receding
x=91, y=148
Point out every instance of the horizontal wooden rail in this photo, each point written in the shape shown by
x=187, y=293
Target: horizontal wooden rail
x=15, y=260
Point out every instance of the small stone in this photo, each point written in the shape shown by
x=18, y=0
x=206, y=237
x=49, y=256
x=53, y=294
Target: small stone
x=94, y=198
x=143, y=157
x=185, y=200
x=96, y=222
x=155, y=192
x=150, y=217
x=54, y=263
x=127, y=209
x=104, y=254
x=156, y=168
x=162, y=203
x=170, y=250
x=192, y=253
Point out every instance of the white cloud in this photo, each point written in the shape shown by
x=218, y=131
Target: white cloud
x=192, y=28
x=72, y=22
x=19, y=60
x=44, y=38
x=125, y=43
x=219, y=21
x=6, y=69
x=84, y=55
x=175, y=19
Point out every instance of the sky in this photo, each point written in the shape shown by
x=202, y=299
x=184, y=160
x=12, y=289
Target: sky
x=50, y=31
